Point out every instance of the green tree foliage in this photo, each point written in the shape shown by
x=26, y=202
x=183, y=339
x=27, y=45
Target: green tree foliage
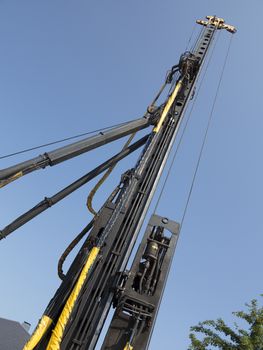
x=217, y=335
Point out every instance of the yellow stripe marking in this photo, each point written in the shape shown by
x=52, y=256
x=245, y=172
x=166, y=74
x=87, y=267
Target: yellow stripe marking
x=10, y=179
x=168, y=105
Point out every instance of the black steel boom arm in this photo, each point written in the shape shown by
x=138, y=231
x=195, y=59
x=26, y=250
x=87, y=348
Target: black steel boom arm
x=73, y=150
x=97, y=278
x=48, y=202
x=117, y=226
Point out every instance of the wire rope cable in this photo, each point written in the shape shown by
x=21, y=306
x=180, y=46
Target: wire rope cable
x=198, y=36
x=61, y=140
x=82, y=134
x=190, y=37
x=185, y=127
x=205, y=135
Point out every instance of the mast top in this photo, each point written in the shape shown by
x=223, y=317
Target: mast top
x=219, y=23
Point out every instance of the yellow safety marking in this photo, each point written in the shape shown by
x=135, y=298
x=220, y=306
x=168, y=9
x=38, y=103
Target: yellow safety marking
x=168, y=105
x=57, y=332
x=10, y=179
x=38, y=333
x=128, y=347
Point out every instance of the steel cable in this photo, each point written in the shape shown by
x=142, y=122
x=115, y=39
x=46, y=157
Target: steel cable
x=191, y=36
x=184, y=129
x=205, y=135
x=59, y=141
x=203, y=142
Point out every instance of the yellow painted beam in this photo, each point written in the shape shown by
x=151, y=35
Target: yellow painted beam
x=168, y=105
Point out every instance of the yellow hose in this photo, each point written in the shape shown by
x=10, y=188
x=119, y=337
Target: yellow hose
x=168, y=105
x=57, y=332
x=40, y=330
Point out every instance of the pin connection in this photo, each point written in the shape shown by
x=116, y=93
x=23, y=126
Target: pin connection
x=217, y=22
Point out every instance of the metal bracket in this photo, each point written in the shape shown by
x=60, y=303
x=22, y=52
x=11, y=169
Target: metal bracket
x=136, y=302
x=218, y=22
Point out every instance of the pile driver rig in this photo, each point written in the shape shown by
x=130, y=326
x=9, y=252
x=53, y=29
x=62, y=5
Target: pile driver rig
x=97, y=279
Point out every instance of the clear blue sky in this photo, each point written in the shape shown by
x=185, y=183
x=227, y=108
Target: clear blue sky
x=67, y=67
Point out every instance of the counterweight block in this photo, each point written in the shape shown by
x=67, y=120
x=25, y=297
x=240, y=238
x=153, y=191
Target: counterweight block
x=140, y=292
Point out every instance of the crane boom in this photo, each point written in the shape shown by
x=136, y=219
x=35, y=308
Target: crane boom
x=97, y=278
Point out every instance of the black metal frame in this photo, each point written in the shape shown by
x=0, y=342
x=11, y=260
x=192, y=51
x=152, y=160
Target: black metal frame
x=136, y=310
x=120, y=220
x=116, y=227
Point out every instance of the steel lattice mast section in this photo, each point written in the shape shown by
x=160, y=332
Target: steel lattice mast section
x=74, y=317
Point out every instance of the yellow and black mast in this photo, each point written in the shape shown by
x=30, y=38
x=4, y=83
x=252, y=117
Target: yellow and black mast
x=97, y=278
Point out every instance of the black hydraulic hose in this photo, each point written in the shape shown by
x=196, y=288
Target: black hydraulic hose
x=70, y=247
x=48, y=202
x=140, y=329
x=69, y=281
x=143, y=275
x=155, y=275
x=149, y=278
